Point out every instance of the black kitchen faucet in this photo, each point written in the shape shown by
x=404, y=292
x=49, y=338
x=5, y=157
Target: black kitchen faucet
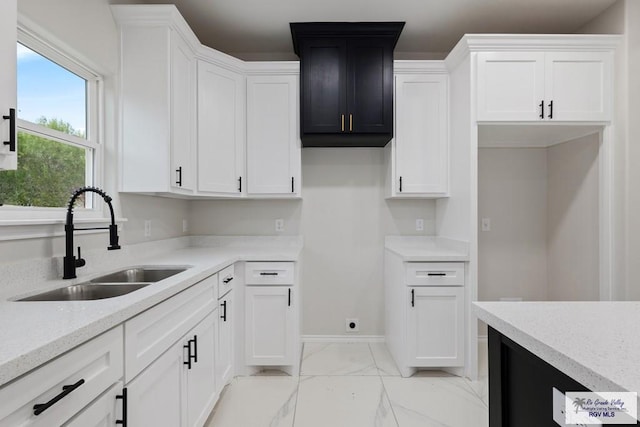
x=70, y=261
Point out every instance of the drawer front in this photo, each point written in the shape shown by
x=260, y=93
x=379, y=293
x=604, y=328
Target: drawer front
x=151, y=333
x=226, y=279
x=434, y=273
x=269, y=273
x=98, y=363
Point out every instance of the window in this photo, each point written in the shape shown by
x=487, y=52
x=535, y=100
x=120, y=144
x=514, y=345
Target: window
x=58, y=146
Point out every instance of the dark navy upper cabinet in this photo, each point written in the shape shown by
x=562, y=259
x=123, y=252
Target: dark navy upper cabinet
x=346, y=79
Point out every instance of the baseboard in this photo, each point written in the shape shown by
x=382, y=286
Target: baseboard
x=343, y=338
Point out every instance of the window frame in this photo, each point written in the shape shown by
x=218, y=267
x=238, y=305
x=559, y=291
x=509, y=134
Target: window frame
x=57, y=52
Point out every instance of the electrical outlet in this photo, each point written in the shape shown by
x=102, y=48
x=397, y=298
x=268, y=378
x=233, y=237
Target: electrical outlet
x=185, y=225
x=352, y=325
x=486, y=224
x=279, y=225
x=147, y=228
x=419, y=224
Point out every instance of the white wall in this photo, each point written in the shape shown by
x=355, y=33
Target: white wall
x=88, y=29
x=343, y=218
x=512, y=192
x=573, y=220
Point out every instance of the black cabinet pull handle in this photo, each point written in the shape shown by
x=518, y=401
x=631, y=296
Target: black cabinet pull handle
x=264, y=273
x=239, y=184
x=123, y=396
x=289, y=303
x=436, y=274
x=227, y=280
x=541, y=105
x=12, y=129
x=551, y=109
x=39, y=408
x=401, y=184
x=292, y=185
x=189, y=356
x=179, y=176
x=195, y=349
x=413, y=298
x=224, y=311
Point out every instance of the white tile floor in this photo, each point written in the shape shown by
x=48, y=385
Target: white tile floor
x=353, y=385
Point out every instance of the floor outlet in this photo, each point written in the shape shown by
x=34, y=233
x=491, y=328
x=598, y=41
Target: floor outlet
x=352, y=325
x=419, y=224
x=279, y=225
x=147, y=228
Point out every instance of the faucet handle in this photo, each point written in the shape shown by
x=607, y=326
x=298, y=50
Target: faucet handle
x=79, y=261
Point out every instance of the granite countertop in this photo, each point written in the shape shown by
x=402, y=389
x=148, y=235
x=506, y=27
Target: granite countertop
x=596, y=343
x=33, y=333
x=427, y=248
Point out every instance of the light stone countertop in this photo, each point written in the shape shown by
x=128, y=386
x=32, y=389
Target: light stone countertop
x=427, y=248
x=596, y=343
x=32, y=333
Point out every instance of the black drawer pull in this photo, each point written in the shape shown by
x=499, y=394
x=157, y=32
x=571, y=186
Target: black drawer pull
x=264, y=273
x=436, y=274
x=123, y=396
x=413, y=297
x=289, y=302
x=228, y=279
x=541, y=105
x=551, y=110
x=39, y=408
x=189, y=356
x=179, y=176
x=195, y=349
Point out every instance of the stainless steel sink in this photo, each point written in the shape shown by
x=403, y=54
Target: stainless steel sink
x=139, y=275
x=86, y=292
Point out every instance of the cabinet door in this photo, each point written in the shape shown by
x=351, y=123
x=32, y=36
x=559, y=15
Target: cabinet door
x=220, y=130
x=200, y=379
x=324, y=89
x=8, y=28
x=224, y=350
x=421, y=142
x=104, y=412
x=273, y=144
x=435, y=329
x=370, y=86
x=269, y=325
x=579, y=84
x=182, y=114
x=510, y=86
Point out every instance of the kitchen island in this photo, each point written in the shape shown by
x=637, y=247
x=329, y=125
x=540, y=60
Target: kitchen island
x=572, y=346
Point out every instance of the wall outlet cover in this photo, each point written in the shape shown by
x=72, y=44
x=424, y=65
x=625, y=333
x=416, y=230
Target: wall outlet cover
x=147, y=228
x=352, y=325
x=419, y=224
x=279, y=225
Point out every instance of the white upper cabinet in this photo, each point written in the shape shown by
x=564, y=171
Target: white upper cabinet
x=158, y=72
x=8, y=107
x=221, y=106
x=418, y=156
x=273, y=144
x=544, y=86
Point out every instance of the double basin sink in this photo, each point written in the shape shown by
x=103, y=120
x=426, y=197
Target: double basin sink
x=111, y=285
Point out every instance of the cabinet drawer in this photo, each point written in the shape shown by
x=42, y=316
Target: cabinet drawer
x=435, y=274
x=226, y=279
x=151, y=333
x=268, y=273
x=98, y=362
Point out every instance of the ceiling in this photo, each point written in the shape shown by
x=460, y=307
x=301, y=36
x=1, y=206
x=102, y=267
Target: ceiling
x=259, y=29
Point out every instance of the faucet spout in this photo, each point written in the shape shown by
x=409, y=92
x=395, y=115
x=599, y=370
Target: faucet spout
x=70, y=261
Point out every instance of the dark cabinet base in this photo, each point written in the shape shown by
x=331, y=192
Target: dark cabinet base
x=346, y=140
x=521, y=385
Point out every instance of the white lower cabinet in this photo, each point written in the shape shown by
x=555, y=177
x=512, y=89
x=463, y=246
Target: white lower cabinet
x=435, y=326
x=155, y=396
x=424, y=321
x=106, y=411
x=55, y=392
x=224, y=350
x=269, y=325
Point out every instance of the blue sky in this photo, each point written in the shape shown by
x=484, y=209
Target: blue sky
x=46, y=89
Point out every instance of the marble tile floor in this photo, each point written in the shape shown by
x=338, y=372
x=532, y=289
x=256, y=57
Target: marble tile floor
x=353, y=385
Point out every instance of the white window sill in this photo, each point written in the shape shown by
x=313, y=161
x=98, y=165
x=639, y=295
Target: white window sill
x=18, y=229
